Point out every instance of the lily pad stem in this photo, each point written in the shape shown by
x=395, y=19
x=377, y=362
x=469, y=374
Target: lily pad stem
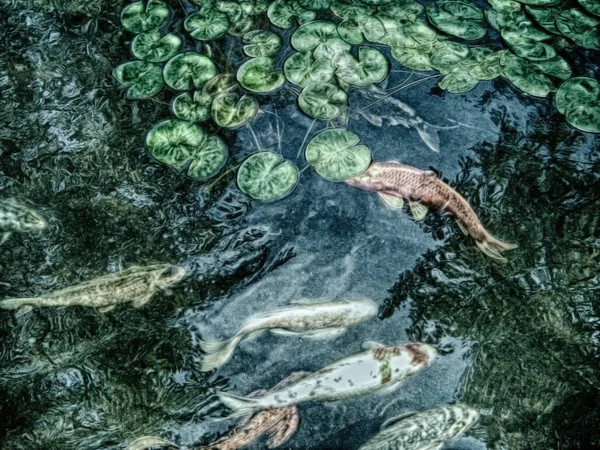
x=255, y=138
x=305, y=137
x=212, y=183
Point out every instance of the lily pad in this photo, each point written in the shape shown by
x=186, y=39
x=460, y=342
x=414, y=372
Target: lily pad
x=523, y=31
x=232, y=9
x=533, y=50
x=336, y=156
x=303, y=69
x=218, y=84
x=261, y=43
x=315, y=5
x=577, y=91
x=142, y=79
x=207, y=26
x=591, y=6
x=283, y=13
x=486, y=63
x=584, y=117
x=322, y=100
x=370, y=67
x=408, y=34
x=254, y=7
x=144, y=16
x=193, y=108
x=445, y=55
x=400, y=10
x=185, y=146
x=413, y=58
x=321, y=38
x=242, y=27
x=534, y=78
x=188, y=70
x=357, y=31
x=540, y=2
x=545, y=17
x=501, y=19
x=457, y=18
x=267, y=177
x=583, y=29
x=351, y=9
x=154, y=48
x=257, y=75
x=458, y=81
x=229, y=112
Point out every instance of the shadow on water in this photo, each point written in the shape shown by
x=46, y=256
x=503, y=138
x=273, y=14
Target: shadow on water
x=520, y=338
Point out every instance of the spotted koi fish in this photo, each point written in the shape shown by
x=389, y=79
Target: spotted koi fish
x=395, y=182
x=379, y=368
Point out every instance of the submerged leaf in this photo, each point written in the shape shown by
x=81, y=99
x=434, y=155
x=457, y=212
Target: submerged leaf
x=144, y=16
x=303, y=69
x=261, y=43
x=457, y=18
x=370, y=67
x=267, y=177
x=154, y=48
x=257, y=75
x=336, y=156
x=322, y=100
x=188, y=70
x=229, y=112
x=194, y=108
x=142, y=79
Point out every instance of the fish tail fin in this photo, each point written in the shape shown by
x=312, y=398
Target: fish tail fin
x=240, y=406
x=429, y=135
x=23, y=305
x=218, y=353
x=494, y=247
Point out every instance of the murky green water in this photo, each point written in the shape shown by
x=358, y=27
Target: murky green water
x=518, y=340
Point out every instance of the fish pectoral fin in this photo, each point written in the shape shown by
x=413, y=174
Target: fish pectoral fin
x=462, y=227
x=5, y=237
x=24, y=310
x=369, y=345
x=418, y=210
x=392, y=200
x=106, y=309
x=284, y=429
x=394, y=420
x=138, y=303
x=324, y=334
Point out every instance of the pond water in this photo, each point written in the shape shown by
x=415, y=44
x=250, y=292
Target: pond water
x=517, y=340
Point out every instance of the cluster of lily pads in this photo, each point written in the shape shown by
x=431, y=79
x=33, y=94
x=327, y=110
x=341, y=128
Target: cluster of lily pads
x=334, y=48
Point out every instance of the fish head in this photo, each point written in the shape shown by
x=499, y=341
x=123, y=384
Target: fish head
x=168, y=275
x=362, y=309
x=419, y=356
x=462, y=417
x=29, y=220
x=370, y=180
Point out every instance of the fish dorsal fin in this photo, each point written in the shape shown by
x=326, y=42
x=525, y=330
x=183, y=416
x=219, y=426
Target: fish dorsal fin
x=462, y=227
x=370, y=345
x=418, y=210
x=308, y=301
x=392, y=200
x=394, y=420
x=393, y=161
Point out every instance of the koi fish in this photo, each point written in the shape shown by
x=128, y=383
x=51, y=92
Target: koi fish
x=308, y=318
x=427, y=430
x=135, y=284
x=394, y=182
x=16, y=217
x=378, y=369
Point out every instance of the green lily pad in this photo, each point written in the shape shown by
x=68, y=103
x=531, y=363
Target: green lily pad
x=261, y=43
x=154, y=48
x=406, y=34
x=303, y=69
x=376, y=2
x=577, y=91
x=545, y=17
x=142, y=79
x=584, y=117
x=335, y=155
x=501, y=19
x=457, y=18
x=188, y=70
x=533, y=50
x=445, y=55
x=229, y=112
x=218, y=84
x=356, y=32
x=523, y=31
x=257, y=75
x=321, y=38
x=144, y=16
x=533, y=77
x=413, y=58
x=193, y=108
x=232, y=9
x=351, y=9
x=505, y=5
x=583, y=29
x=458, y=81
x=315, y=5
x=254, y=7
x=400, y=10
x=322, y=101
x=184, y=145
x=207, y=26
x=267, y=177
x=591, y=6
x=486, y=63
x=370, y=67
x=243, y=26
x=283, y=13
x=540, y=2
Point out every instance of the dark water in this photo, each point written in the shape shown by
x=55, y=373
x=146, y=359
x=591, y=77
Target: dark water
x=519, y=340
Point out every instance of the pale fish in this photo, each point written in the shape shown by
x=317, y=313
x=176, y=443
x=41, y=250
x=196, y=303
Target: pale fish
x=16, y=217
x=308, y=318
x=135, y=284
x=395, y=182
x=378, y=369
x=427, y=430
x=395, y=112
